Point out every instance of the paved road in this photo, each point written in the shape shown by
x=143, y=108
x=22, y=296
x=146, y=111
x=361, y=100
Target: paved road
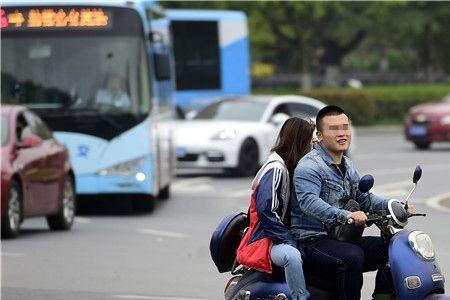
x=114, y=253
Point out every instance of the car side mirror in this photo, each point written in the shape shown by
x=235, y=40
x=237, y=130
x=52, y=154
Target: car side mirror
x=278, y=119
x=366, y=183
x=29, y=141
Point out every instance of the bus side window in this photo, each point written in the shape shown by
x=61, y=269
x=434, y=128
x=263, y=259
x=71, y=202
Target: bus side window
x=197, y=54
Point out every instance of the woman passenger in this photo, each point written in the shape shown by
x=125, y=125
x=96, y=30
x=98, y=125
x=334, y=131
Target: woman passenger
x=269, y=239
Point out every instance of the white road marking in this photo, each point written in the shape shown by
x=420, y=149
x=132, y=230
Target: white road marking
x=11, y=254
x=435, y=202
x=162, y=233
x=191, y=181
x=393, y=190
x=82, y=220
x=191, y=185
x=156, y=297
x=194, y=188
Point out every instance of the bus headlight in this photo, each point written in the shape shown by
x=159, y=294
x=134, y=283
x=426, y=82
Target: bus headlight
x=126, y=169
x=422, y=245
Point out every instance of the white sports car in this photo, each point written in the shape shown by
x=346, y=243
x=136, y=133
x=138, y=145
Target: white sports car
x=236, y=134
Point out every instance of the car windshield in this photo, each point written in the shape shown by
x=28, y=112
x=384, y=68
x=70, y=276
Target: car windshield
x=233, y=110
x=5, y=130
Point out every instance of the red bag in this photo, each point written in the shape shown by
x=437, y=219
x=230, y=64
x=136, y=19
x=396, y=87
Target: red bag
x=255, y=255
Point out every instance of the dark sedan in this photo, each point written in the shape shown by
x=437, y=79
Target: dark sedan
x=428, y=123
x=36, y=175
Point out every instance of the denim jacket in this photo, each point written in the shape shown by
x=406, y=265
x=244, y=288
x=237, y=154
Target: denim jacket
x=322, y=191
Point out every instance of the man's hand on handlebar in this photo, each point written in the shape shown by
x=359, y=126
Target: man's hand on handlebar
x=359, y=217
x=411, y=209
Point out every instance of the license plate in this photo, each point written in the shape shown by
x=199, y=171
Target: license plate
x=418, y=130
x=180, y=151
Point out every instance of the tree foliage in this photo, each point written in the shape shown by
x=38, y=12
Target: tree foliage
x=309, y=36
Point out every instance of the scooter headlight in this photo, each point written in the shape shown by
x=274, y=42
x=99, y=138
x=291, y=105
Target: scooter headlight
x=422, y=245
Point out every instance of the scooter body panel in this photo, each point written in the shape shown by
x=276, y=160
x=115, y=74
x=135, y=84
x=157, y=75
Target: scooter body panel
x=261, y=286
x=405, y=262
x=268, y=289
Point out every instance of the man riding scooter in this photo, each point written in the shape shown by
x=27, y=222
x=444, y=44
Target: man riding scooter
x=326, y=185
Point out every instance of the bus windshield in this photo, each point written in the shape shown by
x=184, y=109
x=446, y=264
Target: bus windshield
x=90, y=80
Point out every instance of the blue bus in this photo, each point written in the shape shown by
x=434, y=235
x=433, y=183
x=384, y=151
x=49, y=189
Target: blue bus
x=211, y=51
x=94, y=72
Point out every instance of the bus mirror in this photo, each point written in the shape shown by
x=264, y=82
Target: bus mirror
x=162, y=66
x=156, y=37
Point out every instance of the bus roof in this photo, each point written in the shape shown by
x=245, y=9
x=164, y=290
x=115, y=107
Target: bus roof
x=199, y=14
x=116, y=3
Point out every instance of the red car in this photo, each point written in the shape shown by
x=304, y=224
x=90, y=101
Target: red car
x=428, y=123
x=37, y=178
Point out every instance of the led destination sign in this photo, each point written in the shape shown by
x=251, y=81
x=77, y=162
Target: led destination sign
x=53, y=18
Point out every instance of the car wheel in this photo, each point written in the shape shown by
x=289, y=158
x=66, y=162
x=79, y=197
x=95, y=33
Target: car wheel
x=248, y=161
x=63, y=220
x=145, y=203
x=13, y=216
x=422, y=145
x=164, y=193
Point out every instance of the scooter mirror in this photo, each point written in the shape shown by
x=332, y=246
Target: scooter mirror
x=417, y=174
x=366, y=183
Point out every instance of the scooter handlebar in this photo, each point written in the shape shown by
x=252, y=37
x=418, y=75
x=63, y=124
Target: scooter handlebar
x=417, y=215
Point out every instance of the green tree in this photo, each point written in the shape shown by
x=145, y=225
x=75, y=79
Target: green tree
x=316, y=36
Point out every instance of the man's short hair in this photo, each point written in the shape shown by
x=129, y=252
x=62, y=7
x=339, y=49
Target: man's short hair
x=329, y=110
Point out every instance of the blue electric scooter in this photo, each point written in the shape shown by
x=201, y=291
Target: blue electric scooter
x=412, y=258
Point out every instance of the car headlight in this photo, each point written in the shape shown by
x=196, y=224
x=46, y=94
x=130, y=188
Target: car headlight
x=225, y=134
x=126, y=169
x=445, y=120
x=422, y=244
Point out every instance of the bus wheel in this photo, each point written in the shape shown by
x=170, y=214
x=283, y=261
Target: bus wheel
x=13, y=215
x=164, y=193
x=63, y=220
x=145, y=203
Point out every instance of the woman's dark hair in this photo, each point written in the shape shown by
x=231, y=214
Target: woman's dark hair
x=294, y=141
